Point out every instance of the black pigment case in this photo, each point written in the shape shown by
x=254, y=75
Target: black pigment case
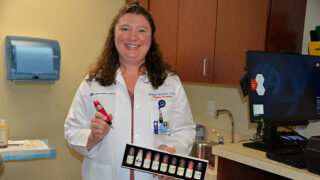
x=163, y=163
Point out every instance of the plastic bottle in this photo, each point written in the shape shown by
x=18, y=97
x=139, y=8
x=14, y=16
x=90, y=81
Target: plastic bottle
x=3, y=134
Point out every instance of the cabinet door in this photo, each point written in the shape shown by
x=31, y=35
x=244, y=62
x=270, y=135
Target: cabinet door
x=286, y=25
x=196, y=37
x=241, y=25
x=165, y=15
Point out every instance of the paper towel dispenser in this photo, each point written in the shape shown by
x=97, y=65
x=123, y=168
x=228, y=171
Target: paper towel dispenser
x=32, y=59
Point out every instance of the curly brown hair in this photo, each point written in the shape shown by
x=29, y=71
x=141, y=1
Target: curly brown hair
x=104, y=70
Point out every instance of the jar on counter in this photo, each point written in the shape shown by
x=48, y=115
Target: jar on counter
x=200, y=131
x=3, y=134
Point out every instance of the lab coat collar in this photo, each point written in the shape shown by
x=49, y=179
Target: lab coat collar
x=119, y=78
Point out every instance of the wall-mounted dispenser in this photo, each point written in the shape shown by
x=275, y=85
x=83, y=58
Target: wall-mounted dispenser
x=32, y=59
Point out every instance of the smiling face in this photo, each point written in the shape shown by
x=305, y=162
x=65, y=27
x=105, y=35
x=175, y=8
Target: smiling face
x=132, y=39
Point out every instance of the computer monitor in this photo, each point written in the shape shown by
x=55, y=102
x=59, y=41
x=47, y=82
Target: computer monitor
x=285, y=88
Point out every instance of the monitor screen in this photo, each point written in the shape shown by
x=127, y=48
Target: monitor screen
x=285, y=88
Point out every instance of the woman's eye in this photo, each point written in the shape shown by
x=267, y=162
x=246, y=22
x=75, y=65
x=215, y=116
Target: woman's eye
x=142, y=30
x=124, y=29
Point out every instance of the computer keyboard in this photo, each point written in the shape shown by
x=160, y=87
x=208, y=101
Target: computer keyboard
x=290, y=156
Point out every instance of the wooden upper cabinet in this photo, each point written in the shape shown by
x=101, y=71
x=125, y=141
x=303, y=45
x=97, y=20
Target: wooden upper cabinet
x=286, y=25
x=165, y=15
x=265, y=25
x=207, y=40
x=185, y=34
x=196, y=37
x=241, y=25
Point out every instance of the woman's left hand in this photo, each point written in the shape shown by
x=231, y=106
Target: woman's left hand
x=164, y=147
x=171, y=150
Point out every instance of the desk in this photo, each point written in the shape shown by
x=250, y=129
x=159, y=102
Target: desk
x=255, y=162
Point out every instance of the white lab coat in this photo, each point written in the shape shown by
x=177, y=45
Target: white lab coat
x=104, y=160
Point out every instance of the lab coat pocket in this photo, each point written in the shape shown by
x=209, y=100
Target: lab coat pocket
x=96, y=171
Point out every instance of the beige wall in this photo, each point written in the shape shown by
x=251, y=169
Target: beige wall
x=39, y=111
x=225, y=97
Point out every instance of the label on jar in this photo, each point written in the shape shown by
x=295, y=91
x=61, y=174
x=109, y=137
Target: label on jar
x=197, y=175
x=189, y=173
x=138, y=162
x=172, y=169
x=147, y=163
x=180, y=171
x=155, y=165
x=130, y=159
x=3, y=136
x=163, y=167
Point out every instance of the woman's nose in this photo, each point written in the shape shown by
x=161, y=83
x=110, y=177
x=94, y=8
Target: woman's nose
x=133, y=35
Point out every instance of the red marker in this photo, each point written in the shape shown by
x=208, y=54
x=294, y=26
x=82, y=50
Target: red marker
x=100, y=109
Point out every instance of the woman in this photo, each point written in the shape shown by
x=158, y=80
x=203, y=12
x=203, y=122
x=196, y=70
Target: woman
x=139, y=91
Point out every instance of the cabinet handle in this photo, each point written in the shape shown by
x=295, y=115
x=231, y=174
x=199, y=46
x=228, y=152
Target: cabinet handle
x=205, y=67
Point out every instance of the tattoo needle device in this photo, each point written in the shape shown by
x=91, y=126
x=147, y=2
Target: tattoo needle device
x=100, y=109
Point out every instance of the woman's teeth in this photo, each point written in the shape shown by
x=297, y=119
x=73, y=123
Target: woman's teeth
x=132, y=46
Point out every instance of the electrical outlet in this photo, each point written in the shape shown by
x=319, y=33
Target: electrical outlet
x=210, y=110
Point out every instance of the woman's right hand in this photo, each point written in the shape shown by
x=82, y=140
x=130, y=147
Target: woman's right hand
x=99, y=128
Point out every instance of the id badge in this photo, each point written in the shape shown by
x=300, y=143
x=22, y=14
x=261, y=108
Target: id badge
x=161, y=128
x=164, y=128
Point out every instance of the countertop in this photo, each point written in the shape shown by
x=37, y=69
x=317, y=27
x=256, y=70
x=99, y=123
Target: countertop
x=258, y=159
x=27, y=149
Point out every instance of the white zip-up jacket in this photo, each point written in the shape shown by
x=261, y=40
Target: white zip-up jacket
x=104, y=160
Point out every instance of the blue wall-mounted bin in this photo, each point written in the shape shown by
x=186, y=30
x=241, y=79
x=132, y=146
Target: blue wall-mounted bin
x=32, y=59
